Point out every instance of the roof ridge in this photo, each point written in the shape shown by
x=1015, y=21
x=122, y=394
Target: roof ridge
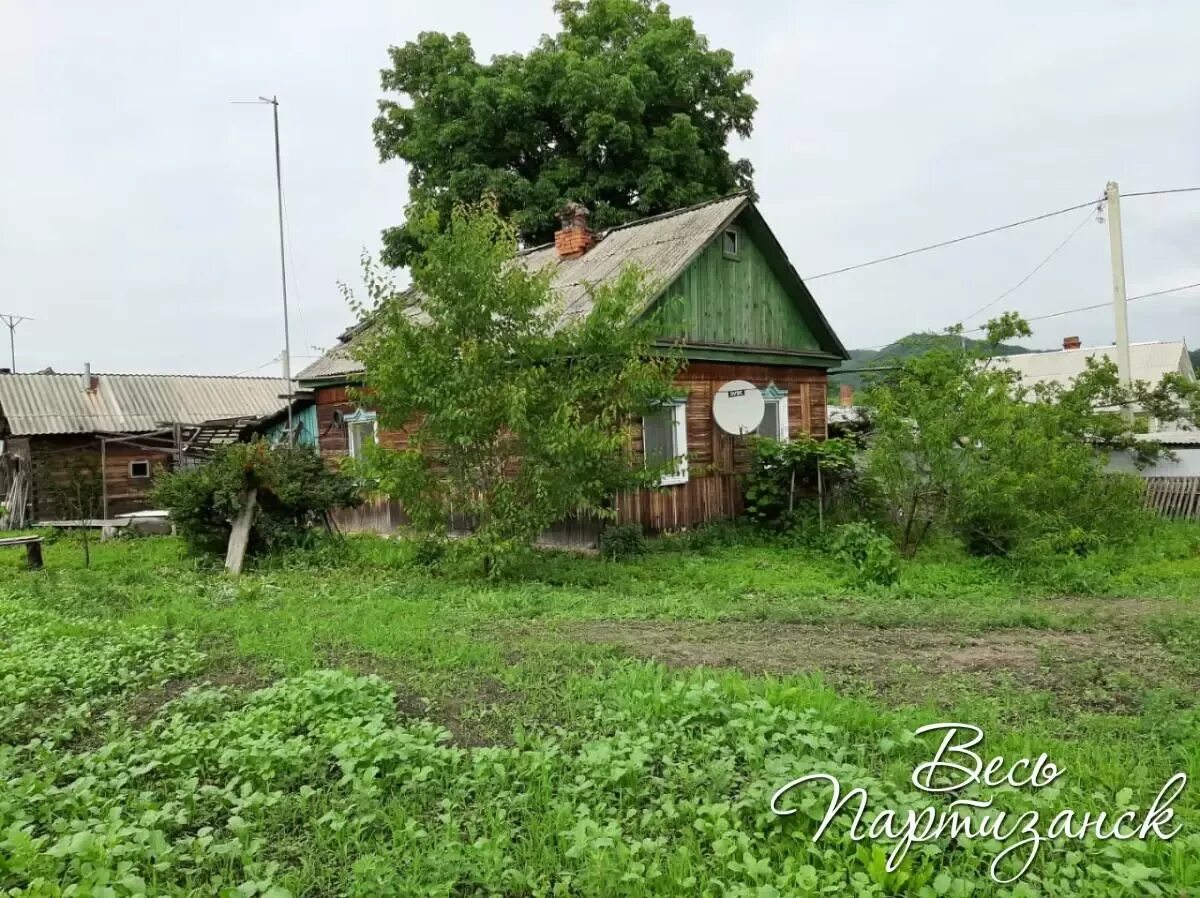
x=649, y=219
x=680, y=211
x=130, y=374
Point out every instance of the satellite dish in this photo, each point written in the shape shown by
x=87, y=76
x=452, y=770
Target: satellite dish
x=738, y=407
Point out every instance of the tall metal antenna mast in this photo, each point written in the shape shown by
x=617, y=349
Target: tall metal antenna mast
x=11, y=322
x=287, y=337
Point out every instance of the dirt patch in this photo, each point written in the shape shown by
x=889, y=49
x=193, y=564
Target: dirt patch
x=471, y=710
x=904, y=664
x=792, y=648
x=146, y=704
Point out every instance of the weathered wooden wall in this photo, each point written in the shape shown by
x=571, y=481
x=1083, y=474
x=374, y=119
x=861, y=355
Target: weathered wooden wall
x=699, y=307
x=57, y=459
x=715, y=459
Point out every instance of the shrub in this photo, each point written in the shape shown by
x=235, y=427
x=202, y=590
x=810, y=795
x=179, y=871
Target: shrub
x=872, y=554
x=622, y=541
x=429, y=551
x=295, y=492
x=959, y=444
x=783, y=474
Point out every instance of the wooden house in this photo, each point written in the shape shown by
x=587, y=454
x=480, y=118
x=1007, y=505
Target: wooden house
x=738, y=310
x=88, y=445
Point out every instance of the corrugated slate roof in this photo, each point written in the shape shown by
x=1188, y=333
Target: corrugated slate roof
x=662, y=245
x=1171, y=437
x=1149, y=362
x=130, y=403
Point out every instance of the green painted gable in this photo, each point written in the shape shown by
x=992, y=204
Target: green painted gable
x=751, y=307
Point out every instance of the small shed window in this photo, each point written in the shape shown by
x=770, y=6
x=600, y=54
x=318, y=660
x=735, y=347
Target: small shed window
x=362, y=430
x=775, y=414
x=140, y=469
x=730, y=243
x=664, y=437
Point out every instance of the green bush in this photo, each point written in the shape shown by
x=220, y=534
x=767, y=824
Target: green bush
x=295, y=491
x=785, y=474
x=429, y=551
x=872, y=555
x=622, y=541
x=960, y=445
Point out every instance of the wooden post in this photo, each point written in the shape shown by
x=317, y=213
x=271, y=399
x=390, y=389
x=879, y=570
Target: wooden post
x=33, y=555
x=103, y=479
x=239, y=536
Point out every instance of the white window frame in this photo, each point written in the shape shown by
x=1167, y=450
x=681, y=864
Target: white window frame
x=353, y=447
x=679, y=476
x=772, y=393
x=141, y=461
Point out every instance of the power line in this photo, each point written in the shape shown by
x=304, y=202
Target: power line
x=1054, y=252
x=922, y=249
x=1090, y=308
x=1161, y=192
x=1015, y=224
x=1102, y=305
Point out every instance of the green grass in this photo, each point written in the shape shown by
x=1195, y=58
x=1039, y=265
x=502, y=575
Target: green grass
x=345, y=722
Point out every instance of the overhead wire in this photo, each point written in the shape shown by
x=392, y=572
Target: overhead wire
x=1040, y=265
x=922, y=249
x=1100, y=305
x=1096, y=204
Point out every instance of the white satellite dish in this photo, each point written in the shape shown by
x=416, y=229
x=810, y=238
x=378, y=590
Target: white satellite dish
x=738, y=407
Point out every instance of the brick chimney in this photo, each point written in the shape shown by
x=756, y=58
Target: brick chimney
x=89, y=381
x=1071, y=343
x=846, y=396
x=575, y=237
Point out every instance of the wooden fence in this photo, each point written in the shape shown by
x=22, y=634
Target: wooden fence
x=1174, y=497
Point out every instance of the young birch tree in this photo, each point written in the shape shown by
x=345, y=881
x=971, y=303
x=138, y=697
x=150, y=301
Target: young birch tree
x=514, y=415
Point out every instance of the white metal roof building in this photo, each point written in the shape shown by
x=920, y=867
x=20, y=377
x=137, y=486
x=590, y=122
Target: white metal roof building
x=1148, y=361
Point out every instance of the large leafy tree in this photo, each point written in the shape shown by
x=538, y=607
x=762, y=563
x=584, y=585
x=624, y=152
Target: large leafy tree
x=514, y=415
x=627, y=110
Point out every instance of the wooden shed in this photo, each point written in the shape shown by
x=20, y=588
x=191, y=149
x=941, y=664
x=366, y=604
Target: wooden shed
x=89, y=445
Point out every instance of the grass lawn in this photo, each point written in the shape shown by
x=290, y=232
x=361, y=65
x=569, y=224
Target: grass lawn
x=345, y=722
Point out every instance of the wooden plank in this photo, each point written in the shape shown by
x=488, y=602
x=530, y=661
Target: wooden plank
x=239, y=536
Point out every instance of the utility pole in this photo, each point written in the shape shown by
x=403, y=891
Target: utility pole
x=11, y=322
x=1112, y=195
x=287, y=338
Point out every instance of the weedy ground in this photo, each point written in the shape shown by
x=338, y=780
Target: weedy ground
x=343, y=721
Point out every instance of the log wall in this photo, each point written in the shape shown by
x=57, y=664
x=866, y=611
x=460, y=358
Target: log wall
x=716, y=460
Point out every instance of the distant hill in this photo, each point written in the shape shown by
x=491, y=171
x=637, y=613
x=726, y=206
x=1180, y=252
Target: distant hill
x=907, y=347
x=1195, y=357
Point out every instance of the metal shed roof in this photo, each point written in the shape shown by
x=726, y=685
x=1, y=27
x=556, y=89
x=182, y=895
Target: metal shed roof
x=1148, y=361
x=130, y=403
x=661, y=245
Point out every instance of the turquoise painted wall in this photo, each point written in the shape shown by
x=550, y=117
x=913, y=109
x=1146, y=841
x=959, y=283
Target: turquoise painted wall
x=306, y=418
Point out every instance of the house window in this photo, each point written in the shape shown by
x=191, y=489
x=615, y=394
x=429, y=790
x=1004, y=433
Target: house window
x=140, y=469
x=664, y=437
x=729, y=243
x=362, y=430
x=775, y=414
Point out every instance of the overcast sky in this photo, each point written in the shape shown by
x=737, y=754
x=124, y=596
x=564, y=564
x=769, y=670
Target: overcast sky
x=137, y=205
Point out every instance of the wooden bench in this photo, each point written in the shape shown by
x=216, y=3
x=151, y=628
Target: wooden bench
x=33, y=549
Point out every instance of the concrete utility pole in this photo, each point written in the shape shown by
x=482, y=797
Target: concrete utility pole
x=1112, y=195
x=11, y=322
